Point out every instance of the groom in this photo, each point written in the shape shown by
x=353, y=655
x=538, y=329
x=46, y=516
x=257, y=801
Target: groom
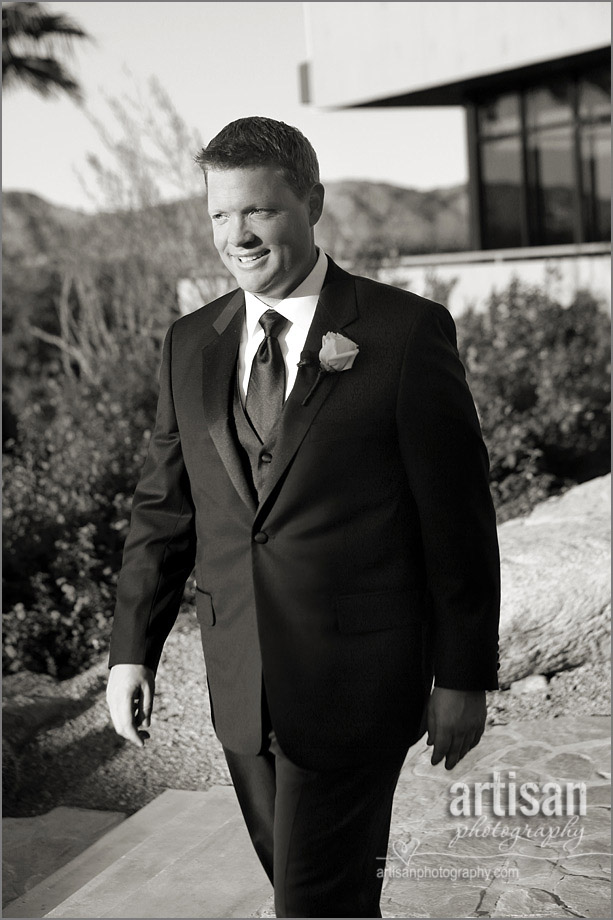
x=317, y=456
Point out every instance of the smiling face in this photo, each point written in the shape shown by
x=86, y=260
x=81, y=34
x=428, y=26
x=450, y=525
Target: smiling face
x=262, y=230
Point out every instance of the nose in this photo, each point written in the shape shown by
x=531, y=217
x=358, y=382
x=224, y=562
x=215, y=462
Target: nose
x=239, y=233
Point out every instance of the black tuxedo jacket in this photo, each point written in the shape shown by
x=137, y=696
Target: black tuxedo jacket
x=368, y=563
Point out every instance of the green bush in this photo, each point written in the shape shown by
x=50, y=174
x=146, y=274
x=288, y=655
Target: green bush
x=539, y=373
x=68, y=483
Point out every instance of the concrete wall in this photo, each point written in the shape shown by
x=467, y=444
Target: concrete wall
x=360, y=52
x=472, y=277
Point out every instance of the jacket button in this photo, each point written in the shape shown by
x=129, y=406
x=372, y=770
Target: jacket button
x=261, y=537
x=266, y=457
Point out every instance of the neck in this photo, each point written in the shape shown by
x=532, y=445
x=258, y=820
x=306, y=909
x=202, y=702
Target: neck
x=273, y=301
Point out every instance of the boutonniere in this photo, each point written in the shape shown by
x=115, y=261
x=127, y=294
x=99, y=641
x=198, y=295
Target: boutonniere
x=337, y=353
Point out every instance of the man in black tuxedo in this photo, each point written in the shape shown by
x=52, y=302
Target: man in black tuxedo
x=317, y=456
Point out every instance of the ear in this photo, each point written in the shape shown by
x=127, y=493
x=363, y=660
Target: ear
x=316, y=203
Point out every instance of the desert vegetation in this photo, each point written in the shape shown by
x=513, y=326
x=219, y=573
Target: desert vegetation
x=86, y=301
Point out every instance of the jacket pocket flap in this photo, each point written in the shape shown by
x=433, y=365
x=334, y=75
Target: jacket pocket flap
x=357, y=613
x=204, y=608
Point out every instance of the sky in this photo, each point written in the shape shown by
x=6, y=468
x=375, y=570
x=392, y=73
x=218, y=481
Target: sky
x=218, y=61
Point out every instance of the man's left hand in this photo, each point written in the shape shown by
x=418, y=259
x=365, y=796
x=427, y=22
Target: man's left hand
x=456, y=721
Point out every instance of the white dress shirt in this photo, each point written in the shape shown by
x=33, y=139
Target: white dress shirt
x=299, y=308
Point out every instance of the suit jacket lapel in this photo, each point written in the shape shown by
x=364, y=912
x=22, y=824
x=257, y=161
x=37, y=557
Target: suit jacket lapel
x=336, y=309
x=219, y=361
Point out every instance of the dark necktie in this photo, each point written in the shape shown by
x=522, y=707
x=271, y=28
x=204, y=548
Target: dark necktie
x=266, y=389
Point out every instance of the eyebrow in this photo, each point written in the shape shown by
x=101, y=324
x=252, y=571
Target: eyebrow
x=270, y=206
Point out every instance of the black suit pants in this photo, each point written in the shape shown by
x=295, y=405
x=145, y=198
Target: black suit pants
x=321, y=836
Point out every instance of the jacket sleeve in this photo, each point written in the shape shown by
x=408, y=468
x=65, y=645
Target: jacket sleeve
x=447, y=467
x=160, y=549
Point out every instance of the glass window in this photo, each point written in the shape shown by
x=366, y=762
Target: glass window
x=549, y=104
x=545, y=162
x=500, y=116
x=596, y=182
x=595, y=95
x=501, y=173
x=551, y=187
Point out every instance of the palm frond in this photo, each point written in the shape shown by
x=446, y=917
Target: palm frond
x=33, y=20
x=44, y=75
x=31, y=37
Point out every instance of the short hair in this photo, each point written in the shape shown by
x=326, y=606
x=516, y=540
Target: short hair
x=259, y=141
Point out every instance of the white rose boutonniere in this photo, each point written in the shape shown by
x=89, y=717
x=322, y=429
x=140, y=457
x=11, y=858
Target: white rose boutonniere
x=337, y=354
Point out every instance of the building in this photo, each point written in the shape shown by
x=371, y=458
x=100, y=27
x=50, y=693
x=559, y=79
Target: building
x=535, y=82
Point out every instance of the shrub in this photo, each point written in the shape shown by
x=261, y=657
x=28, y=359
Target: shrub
x=68, y=483
x=539, y=373
x=83, y=316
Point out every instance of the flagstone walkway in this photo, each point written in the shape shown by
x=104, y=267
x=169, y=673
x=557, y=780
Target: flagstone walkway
x=505, y=865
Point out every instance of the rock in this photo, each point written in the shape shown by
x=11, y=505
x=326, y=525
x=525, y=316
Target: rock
x=574, y=891
x=24, y=717
x=565, y=876
x=535, y=683
x=556, y=584
x=583, y=691
x=531, y=902
x=570, y=766
x=33, y=704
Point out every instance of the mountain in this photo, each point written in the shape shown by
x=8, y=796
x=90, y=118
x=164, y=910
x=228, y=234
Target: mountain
x=377, y=219
x=31, y=226
x=361, y=220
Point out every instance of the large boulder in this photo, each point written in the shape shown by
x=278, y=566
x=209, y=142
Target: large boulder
x=556, y=584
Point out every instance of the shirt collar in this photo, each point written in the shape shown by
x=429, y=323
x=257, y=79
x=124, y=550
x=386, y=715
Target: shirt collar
x=298, y=307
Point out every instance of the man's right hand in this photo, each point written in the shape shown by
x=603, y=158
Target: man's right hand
x=129, y=695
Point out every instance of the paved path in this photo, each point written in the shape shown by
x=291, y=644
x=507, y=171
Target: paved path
x=558, y=866
x=439, y=864
x=505, y=865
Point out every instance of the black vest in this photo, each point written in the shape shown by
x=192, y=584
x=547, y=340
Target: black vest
x=256, y=455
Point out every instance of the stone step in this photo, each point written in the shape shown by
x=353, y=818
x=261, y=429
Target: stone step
x=35, y=847
x=186, y=854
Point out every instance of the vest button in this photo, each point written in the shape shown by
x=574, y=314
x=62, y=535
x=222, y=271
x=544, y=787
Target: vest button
x=265, y=457
x=261, y=537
